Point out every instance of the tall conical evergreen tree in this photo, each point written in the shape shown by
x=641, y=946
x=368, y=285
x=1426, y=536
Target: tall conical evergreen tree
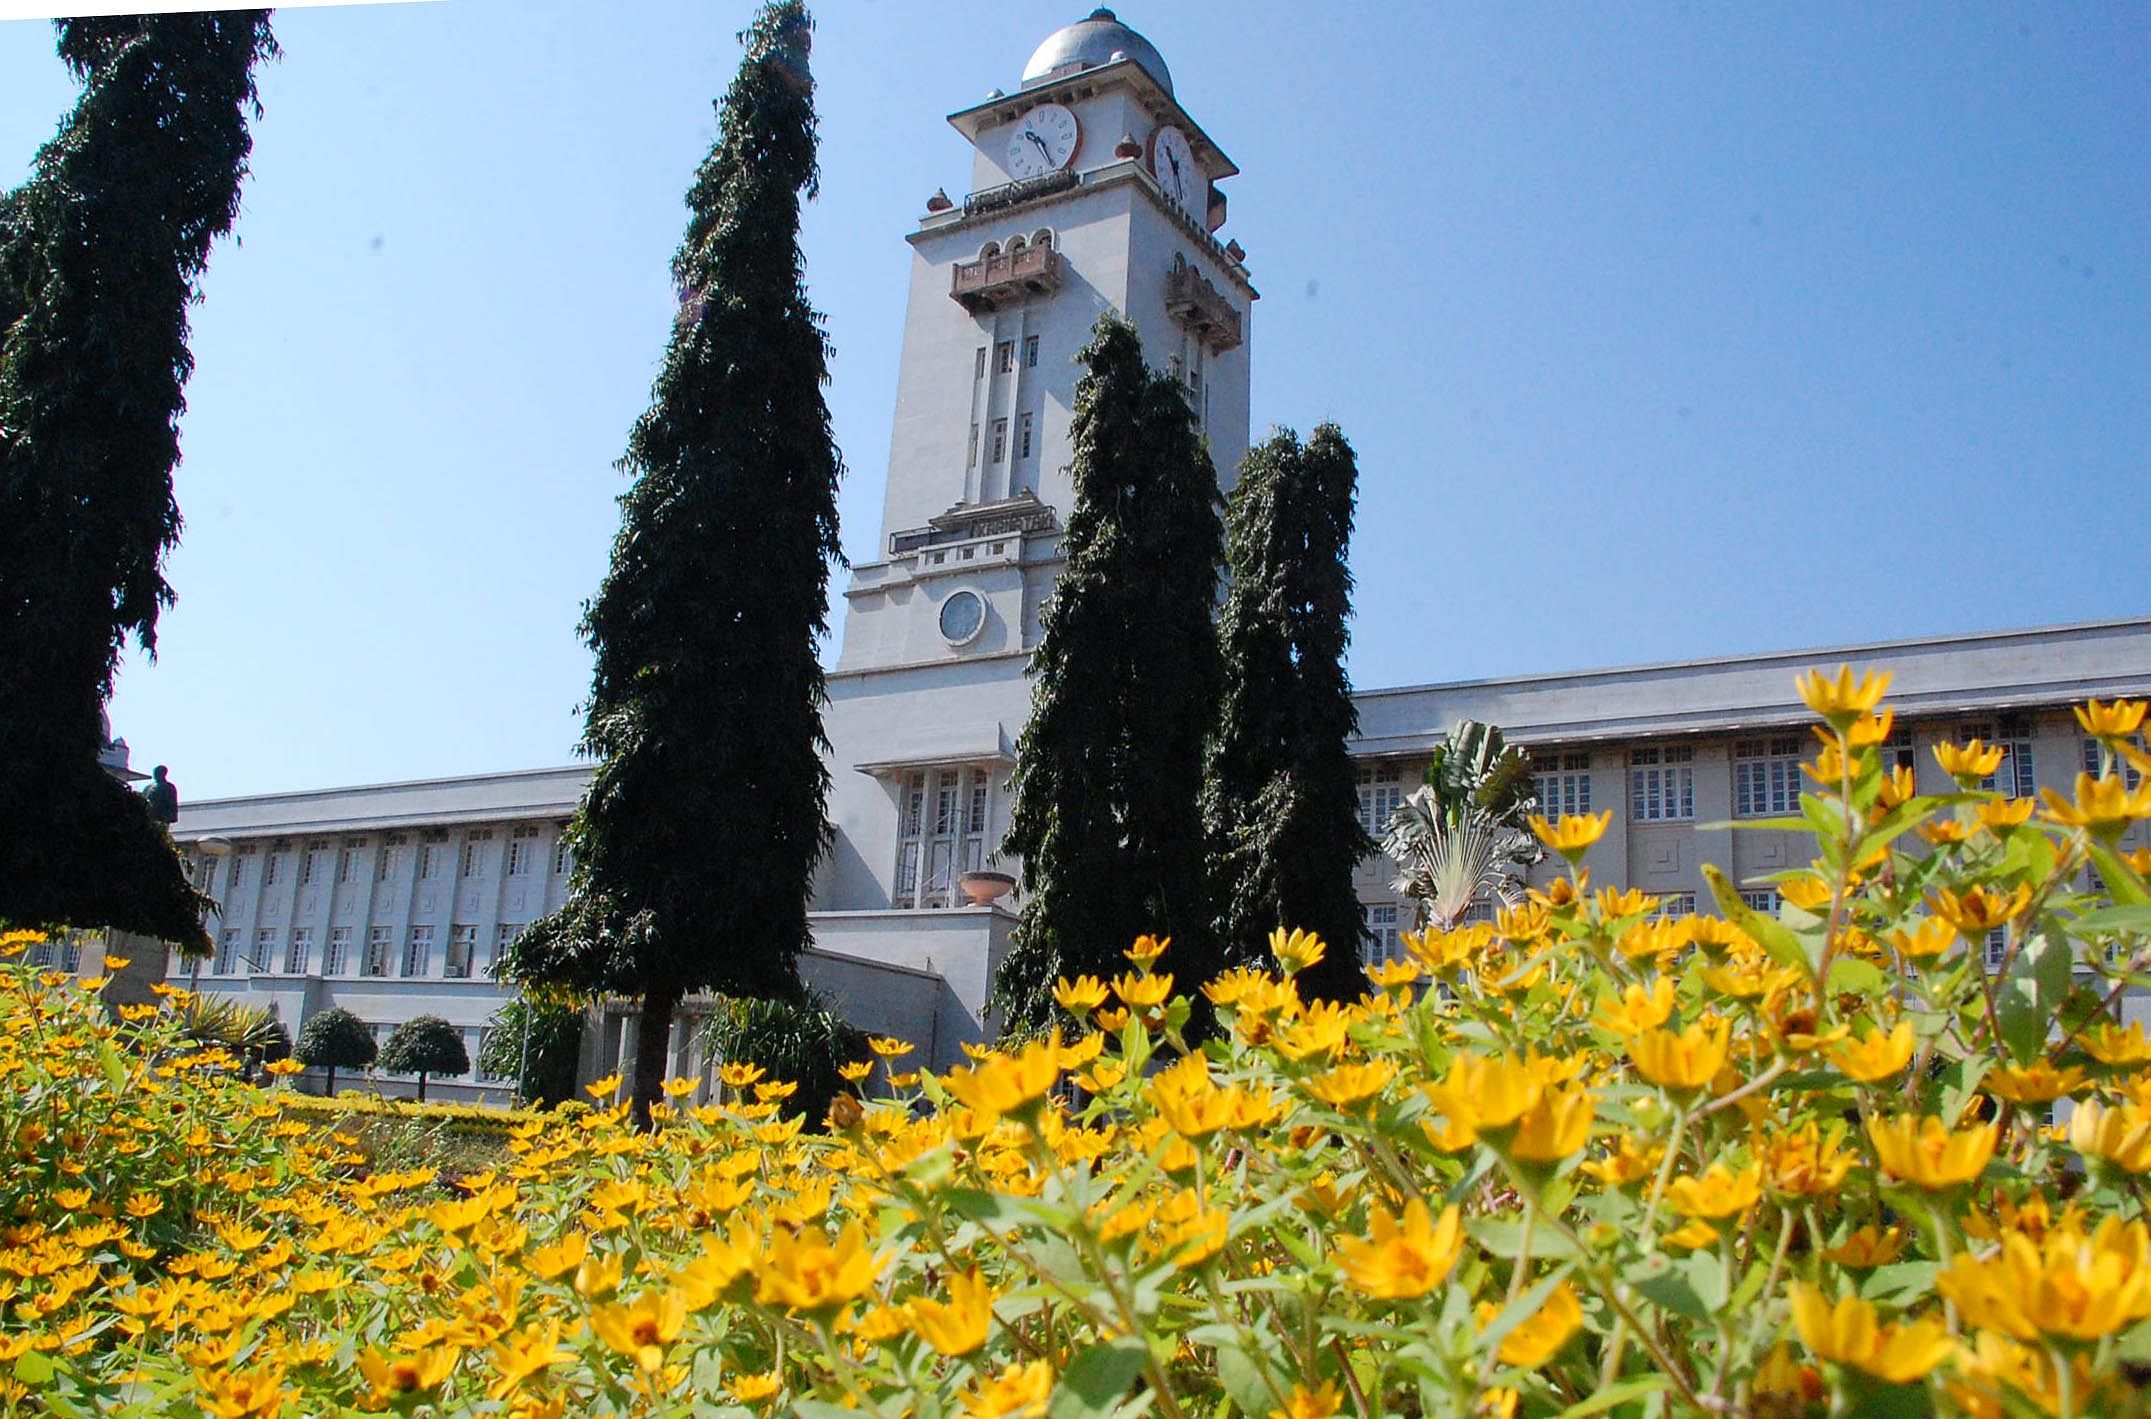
x=101, y=253
x=1108, y=782
x=697, y=840
x=1280, y=801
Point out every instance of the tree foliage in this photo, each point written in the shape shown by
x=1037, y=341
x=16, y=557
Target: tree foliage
x=799, y=1041
x=1464, y=834
x=1106, y=812
x=1280, y=799
x=544, y=1072
x=423, y=1045
x=101, y=253
x=697, y=839
x=334, y=1039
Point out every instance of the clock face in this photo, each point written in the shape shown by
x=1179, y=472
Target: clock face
x=1043, y=141
x=1174, y=163
x=962, y=617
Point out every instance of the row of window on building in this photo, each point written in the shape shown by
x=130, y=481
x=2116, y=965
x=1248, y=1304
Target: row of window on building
x=1767, y=781
x=277, y=952
x=344, y=861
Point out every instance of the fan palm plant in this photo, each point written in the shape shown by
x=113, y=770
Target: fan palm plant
x=1464, y=833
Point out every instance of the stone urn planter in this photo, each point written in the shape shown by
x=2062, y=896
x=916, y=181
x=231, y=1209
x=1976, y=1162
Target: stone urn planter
x=983, y=889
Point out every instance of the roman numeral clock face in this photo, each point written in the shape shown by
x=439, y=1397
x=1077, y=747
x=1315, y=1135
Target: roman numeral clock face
x=1043, y=141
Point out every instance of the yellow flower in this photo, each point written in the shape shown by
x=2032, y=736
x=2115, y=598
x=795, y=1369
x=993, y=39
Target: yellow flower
x=958, y=1325
x=889, y=1048
x=1305, y=1403
x=397, y=1377
x=2068, y=1285
x=2117, y=720
x=1572, y=835
x=520, y=1354
x=1870, y=730
x=597, y=1277
x=1980, y=909
x=1626, y=1164
x=1004, y=1083
x=1693, y=1233
x=1999, y=815
x=1345, y=1085
x=2036, y=1083
x=1638, y=1009
x=2110, y=1044
x=1081, y=995
x=1925, y=1153
x=1295, y=951
x=855, y=1071
x=1878, y=1056
x=754, y=1388
x=1142, y=991
x=1806, y=1162
x=1537, y=1338
x=1680, y=1060
x=1930, y=938
x=1556, y=1125
x=2120, y=1136
x=603, y=1089
x=2104, y=807
x=1849, y=1334
x=1147, y=949
x=680, y=1088
x=1403, y=1259
x=805, y=1273
x=643, y=1328
x=1867, y=1247
x=1020, y=1392
x=1720, y=1192
x=1443, y=951
x=551, y=1262
x=1840, y=702
x=1969, y=763
x=243, y=1394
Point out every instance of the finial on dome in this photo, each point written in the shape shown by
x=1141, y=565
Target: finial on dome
x=939, y=202
x=1127, y=147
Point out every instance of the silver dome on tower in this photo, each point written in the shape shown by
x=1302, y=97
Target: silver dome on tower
x=1099, y=38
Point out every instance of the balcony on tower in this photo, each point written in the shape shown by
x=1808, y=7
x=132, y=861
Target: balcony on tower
x=1195, y=303
x=998, y=278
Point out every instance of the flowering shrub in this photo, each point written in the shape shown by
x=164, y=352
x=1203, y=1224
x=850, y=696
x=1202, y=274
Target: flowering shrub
x=1585, y=1159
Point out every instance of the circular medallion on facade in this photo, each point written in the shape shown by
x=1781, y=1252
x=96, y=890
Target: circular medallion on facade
x=963, y=616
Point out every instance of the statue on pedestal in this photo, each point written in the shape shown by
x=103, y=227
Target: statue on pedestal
x=162, y=796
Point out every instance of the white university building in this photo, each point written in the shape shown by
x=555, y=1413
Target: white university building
x=1091, y=190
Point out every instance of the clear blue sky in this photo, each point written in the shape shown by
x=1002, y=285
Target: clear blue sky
x=1662, y=330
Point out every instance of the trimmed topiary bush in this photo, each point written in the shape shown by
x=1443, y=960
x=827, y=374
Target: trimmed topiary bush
x=422, y=1046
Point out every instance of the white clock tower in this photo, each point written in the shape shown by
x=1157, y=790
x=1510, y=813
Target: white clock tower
x=1092, y=190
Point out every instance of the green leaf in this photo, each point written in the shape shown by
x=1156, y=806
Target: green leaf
x=2125, y=918
x=1241, y=1375
x=1659, y=1280
x=1772, y=935
x=1613, y=1395
x=2032, y=994
x=1705, y=1271
x=34, y=1368
x=1504, y=1237
x=2122, y=883
x=1099, y=1379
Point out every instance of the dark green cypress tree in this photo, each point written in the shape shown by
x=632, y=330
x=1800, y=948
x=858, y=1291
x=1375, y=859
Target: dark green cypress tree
x=1280, y=800
x=697, y=840
x=1106, y=812
x=101, y=252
